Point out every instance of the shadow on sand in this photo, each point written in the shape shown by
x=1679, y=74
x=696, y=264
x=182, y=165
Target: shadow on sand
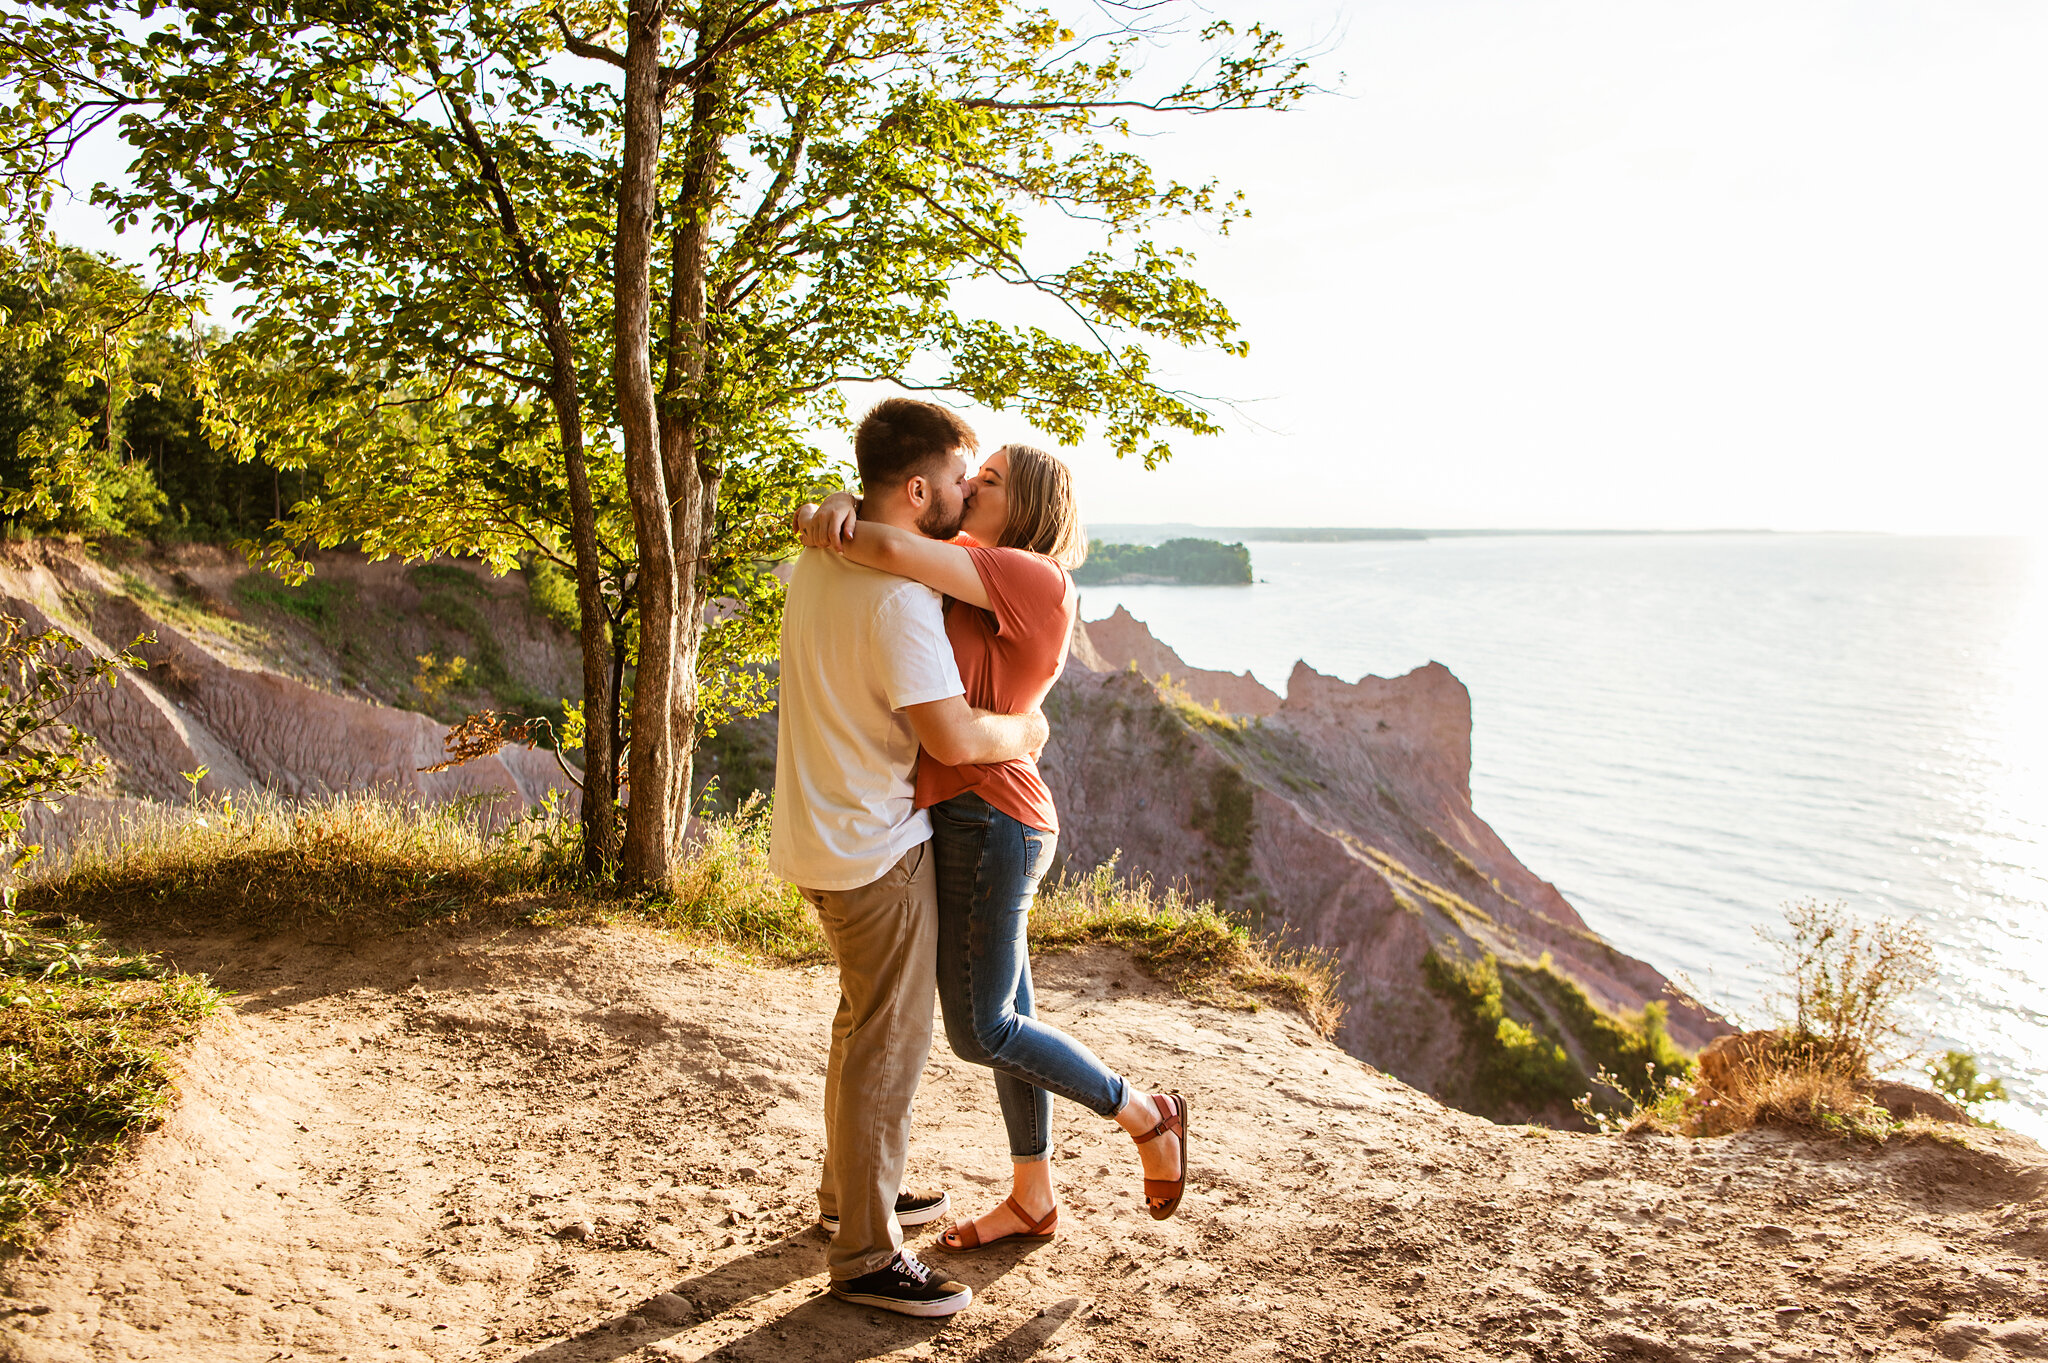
x=817, y=1328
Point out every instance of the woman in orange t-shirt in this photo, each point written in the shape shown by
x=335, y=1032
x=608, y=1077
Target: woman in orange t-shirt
x=1010, y=613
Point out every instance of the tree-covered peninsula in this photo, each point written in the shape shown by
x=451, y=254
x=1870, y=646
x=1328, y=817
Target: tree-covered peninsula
x=1189, y=562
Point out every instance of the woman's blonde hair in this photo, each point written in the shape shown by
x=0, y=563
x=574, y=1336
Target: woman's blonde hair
x=1044, y=517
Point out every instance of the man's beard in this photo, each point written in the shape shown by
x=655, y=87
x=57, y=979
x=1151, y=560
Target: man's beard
x=940, y=522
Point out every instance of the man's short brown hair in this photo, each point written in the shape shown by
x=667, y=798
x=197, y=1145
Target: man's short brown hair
x=900, y=438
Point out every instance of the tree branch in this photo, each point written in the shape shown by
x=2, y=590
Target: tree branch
x=740, y=35
x=582, y=47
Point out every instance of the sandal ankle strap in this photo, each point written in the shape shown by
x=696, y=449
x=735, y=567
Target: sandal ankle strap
x=1170, y=1122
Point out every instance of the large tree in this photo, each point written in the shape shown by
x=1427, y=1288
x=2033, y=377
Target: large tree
x=835, y=172
x=432, y=207
x=416, y=216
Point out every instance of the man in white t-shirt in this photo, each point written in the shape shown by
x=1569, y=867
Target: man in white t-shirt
x=867, y=679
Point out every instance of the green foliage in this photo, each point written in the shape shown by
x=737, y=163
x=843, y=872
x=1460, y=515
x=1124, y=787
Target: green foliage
x=43, y=756
x=318, y=604
x=866, y=165
x=452, y=597
x=552, y=593
x=1637, y=1048
x=727, y=892
x=1226, y=816
x=1515, y=1066
x=102, y=384
x=1188, y=561
x=84, y=1030
x=84, y=1065
x=70, y=326
x=1956, y=1075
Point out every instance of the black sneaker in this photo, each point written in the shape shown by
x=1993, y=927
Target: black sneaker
x=912, y=1209
x=906, y=1287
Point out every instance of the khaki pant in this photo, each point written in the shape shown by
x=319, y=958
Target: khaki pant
x=885, y=937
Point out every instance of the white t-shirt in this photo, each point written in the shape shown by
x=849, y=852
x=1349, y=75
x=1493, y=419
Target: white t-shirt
x=857, y=647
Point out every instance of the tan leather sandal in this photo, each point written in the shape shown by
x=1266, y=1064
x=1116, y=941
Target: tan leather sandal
x=1162, y=1195
x=965, y=1238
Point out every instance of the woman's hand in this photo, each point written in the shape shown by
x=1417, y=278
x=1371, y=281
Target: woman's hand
x=830, y=524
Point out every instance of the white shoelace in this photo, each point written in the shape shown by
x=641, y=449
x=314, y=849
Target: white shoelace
x=913, y=1269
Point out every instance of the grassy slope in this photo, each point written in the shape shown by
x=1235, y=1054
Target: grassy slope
x=87, y=1034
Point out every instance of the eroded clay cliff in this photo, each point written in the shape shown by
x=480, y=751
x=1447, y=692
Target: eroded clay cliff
x=203, y=703
x=1343, y=819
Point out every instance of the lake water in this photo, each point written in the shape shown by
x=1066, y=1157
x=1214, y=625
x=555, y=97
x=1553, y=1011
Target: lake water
x=1683, y=732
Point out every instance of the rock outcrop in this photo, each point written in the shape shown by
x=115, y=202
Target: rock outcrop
x=1123, y=637
x=1343, y=820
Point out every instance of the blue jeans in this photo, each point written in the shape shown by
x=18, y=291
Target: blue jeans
x=989, y=866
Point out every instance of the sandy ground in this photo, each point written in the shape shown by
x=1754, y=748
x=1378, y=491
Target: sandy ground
x=598, y=1146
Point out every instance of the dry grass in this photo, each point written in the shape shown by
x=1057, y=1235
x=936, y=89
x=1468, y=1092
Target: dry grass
x=1786, y=1082
x=1204, y=955
x=727, y=894
x=348, y=866
x=364, y=866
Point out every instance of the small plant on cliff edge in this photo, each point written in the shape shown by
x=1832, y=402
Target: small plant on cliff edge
x=1844, y=981
x=1955, y=1074
x=1838, y=1011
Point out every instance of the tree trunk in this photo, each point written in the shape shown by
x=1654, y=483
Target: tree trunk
x=600, y=690
x=688, y=447
x=651, y=809
x=600, y=750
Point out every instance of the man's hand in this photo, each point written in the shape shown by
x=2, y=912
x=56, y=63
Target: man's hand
x=830, y=524
x=960, y=736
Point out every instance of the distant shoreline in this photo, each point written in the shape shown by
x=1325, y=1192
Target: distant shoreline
x=1136, y=533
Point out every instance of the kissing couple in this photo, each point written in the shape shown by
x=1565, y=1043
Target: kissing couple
x=925, y=623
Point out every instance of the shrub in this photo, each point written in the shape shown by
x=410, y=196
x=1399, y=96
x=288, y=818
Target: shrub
x=1774, y=1078
x=1955, y=1074
x=1843, y=982
x=1837, y=1012
x=1513, y=1066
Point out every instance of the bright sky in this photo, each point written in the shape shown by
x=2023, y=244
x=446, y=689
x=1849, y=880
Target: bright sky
x=1601, y=263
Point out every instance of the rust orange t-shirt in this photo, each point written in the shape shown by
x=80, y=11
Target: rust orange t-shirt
x=1009, y=657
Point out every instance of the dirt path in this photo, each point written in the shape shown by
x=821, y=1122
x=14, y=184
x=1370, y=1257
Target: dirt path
x=572, y=1147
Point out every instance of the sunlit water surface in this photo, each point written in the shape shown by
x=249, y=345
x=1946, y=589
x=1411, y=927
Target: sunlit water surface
x=1683, y=732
